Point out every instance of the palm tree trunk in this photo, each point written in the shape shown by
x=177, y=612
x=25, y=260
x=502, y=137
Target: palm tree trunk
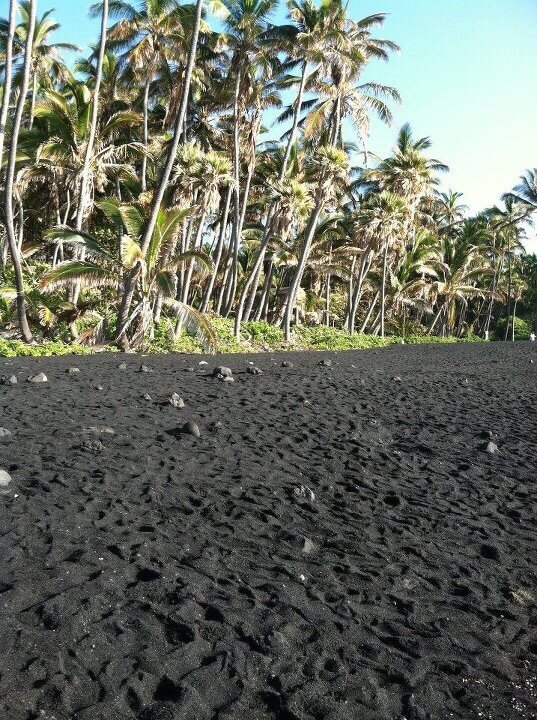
x=170, y=159
x=304, y=255
x=196, y=245
x=84, y=179
x=145, y=135
x=223, y=286
x=514, y=318
x=253, y=292
x=219, y=250
x=369, y=312
x=265, y=293
x=355, y=302
x=509, y=282
x=494, y=284
x=296, y=118
x=383, y=291
x=8, y=76
x=236, y=190
x=32, y=100
x=435, y=320
x=10, y=179
x=268, y=223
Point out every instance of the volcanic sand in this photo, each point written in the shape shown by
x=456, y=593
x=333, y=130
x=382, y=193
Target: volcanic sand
x=339, y=544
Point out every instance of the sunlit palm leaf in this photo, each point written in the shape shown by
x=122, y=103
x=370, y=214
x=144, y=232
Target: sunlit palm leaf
x=195, y=323
x=88, y=274
x=69, y=236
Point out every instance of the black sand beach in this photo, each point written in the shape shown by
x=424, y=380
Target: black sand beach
x=339, y=544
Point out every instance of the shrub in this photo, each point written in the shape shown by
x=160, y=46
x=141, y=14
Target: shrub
x=522, y=329
x=16, y=348
x=263, y=332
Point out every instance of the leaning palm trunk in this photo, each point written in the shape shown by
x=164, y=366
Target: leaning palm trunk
x=10, y=179
x=509, y=283
x=494, y=286
x=304, y=255
x=145, y=135
x=262, y=311
x=435, y=319
x=254, y=275
x=33, y=99
x=235, y=234
x=197, y=246
x=355, y=301
x=218, y=252
x=130, y=278
x=383, y=291
x=8, y=76
x=84, y=180
x=369, y=312
x=253, y=291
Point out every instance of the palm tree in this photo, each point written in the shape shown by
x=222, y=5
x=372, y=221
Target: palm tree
x=526, y=191
x=146, y=38
x=10, y=177
x=155, y=268
x=84, y=174
x=158, y=196
x=449, y=211
x=509, y=223
x=8, y=74
x=384, y=217
x=57, y=147
x=329, y=166
x=249, y=42
x=459, y=267
x=48, y=65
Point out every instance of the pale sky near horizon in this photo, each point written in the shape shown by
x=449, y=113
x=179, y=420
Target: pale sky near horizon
x=466, y=74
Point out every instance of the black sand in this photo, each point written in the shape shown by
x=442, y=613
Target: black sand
x=337, y=545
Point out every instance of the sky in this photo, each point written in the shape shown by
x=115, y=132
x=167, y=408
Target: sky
x=466, y=73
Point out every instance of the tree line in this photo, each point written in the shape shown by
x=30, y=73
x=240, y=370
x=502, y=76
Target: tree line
x=138, y=185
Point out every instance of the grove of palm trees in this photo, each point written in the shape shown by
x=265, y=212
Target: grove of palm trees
x=142, y=198
x=196, y=523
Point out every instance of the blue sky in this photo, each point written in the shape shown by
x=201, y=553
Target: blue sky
x=466, y=74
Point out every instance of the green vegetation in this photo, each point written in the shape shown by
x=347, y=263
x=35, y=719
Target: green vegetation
x=522, y=329
x=141, y=206
x=256, y=337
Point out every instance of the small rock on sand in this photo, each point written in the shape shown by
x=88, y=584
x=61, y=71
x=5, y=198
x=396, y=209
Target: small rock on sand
x=287, y=364
x=491, y=448
x=122, y=366
x=305, y=493
x=176, y=401
x=93, y=445
x=104, y=430
x=326, y=363
x=39, y=378
x=190, y=428
x=203, y=362
x=222, y=372
x=11, y=380
x=5, y=478
x=308, y=546
x=144, y=369
x=147, y=396
x=73, y=370
x=253, y=370
x=4, y=433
